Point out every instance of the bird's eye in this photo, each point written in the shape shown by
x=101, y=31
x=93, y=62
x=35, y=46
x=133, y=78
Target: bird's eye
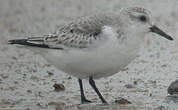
x=142, y=18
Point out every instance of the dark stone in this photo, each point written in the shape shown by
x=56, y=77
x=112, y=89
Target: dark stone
x=59, y=87
x=122, y=101
x=173, y=88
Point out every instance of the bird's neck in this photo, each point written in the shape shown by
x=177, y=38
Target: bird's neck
x=132, y=39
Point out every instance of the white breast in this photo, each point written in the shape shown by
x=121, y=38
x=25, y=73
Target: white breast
x=107, y=59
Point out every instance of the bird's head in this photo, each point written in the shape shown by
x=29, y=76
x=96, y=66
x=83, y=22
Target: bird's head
x=139, y=19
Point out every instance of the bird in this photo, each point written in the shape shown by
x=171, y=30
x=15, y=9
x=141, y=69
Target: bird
x=95, y=46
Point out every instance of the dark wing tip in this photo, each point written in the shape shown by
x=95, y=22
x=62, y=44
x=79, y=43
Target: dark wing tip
x=18, y=41
x=27, y=43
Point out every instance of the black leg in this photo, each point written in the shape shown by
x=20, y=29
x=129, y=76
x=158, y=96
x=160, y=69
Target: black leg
x=92, y=83
x=83, y=98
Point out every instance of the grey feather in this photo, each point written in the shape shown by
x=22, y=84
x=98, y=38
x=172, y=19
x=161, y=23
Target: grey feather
x=80, y=33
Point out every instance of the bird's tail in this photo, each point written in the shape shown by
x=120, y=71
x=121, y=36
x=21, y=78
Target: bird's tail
x=33, y=41
x=18, y=41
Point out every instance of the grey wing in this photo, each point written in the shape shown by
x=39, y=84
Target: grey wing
x=77, y=34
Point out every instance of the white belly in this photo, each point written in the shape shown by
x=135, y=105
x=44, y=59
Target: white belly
x=101, y=62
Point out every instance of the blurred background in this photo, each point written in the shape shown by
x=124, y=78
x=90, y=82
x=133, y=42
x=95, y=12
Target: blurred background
x=26, y=79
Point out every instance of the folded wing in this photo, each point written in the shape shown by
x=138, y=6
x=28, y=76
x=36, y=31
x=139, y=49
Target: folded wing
x=77, y=34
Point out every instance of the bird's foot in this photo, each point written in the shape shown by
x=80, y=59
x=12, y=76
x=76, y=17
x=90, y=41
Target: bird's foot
x=85, y=101
x=105, y=102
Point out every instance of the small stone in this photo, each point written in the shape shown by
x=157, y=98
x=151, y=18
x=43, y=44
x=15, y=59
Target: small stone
x=34, y=70
x=150, y=94
x=40, y=105
x=173, y=88
x=3, y=76
x=46, y=65
x=16, y=82
x=122, y=101
x=129, y=86
x=163, y=66
x=69, y=77
x=50, y=73
x=58, y=87
x=135, y=82
x=14, y=58
x=29, y=91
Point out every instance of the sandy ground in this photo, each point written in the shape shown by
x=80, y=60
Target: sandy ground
x=26, y=79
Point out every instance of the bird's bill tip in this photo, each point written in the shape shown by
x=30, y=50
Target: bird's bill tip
x=157, y=30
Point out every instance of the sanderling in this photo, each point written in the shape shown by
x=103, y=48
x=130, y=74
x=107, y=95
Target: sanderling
x=95, y=46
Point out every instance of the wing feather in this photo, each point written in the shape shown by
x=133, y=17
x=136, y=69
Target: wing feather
x=80, y=33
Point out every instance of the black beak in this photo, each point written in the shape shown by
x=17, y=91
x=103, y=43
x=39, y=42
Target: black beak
x=155, y=29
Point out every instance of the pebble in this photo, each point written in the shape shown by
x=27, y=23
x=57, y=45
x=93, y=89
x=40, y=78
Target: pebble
x=122, y=101
x=173, y=88
x=129, y=86
x=58, y=87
